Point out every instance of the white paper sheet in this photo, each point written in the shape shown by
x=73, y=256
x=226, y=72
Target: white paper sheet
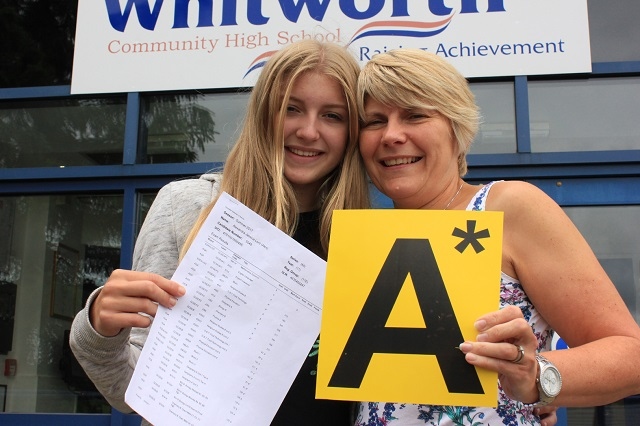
x=229, y=350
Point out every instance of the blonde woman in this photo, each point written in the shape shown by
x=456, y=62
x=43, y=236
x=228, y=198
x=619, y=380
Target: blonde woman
x=295, y=161
x=419, y=118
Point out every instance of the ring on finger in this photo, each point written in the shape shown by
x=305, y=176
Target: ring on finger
x=520, y=355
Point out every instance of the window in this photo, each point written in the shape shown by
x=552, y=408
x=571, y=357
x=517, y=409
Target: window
x=62, y=132
x=193, y=127
x=54, y=251
x=596, y=114
x=497, y=133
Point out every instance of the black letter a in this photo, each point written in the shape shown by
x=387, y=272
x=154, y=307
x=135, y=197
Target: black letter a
x=440, y=338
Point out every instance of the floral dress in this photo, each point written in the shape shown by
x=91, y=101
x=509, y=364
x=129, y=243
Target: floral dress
x=508, y=411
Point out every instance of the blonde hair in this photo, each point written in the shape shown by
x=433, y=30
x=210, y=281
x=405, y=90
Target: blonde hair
x=254, y=170
x=414, y=78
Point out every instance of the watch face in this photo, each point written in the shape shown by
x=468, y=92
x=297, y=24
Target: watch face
x=551, y=382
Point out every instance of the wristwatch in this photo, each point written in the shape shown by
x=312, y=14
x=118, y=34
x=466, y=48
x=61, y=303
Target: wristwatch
x=549, y=382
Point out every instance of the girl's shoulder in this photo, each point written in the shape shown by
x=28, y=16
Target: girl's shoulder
x=199, y=189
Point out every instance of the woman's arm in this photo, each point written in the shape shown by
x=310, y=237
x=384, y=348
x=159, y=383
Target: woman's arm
x=565, y=282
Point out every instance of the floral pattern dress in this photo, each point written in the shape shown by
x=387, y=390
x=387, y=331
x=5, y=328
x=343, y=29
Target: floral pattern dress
x=508, y=412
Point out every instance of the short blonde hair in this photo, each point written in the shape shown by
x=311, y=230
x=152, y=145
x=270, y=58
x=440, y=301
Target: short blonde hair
x=413, y=78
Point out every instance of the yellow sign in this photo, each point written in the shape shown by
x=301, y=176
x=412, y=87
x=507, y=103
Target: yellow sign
x=403, y=290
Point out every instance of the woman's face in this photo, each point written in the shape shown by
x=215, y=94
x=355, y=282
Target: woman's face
x=410, y=155
x=316, y=128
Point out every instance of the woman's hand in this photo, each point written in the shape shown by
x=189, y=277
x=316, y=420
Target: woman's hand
x=497, y=348
x=126, y=295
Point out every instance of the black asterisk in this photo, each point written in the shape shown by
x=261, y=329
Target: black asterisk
x=470, y=237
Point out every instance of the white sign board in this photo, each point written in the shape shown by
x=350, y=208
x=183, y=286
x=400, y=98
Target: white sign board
x=148, y=45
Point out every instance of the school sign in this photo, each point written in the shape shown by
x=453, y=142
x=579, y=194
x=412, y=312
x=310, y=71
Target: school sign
x=150, y=45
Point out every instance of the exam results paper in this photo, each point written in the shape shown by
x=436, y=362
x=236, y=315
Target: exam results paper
x=230, y=349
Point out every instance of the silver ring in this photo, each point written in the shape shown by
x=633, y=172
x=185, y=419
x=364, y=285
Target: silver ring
x=520, y=355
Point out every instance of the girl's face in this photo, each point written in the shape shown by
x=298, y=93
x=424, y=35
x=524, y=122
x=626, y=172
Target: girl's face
x=316, y=129
x=410, y=155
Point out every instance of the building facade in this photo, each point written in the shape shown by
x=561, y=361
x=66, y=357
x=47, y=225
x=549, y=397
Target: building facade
x=78, y=173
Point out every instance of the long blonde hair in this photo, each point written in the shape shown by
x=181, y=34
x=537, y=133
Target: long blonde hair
x=254, y=170
x=413, y=78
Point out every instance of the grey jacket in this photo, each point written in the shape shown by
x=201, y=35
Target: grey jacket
x=109, y=361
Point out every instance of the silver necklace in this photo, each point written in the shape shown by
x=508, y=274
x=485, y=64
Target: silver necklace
x=454, y=197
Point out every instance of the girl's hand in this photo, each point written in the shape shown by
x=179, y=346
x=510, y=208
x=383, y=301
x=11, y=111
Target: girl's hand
x=547, y=415
x=126, y=296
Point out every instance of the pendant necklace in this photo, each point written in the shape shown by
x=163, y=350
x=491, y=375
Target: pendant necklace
x=454, y=197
